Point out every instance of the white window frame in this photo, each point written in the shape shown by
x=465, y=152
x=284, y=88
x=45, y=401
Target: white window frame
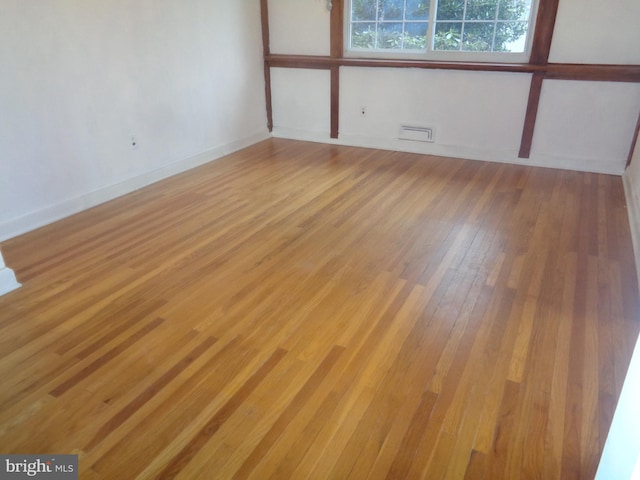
x=438, y=55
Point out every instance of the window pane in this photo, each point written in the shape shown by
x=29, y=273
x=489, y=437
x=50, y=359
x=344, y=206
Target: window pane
x=363, y=10
x=415, y=36
x=481, y=10
x=510, y=36
x=363, y=35
x=514, y=10
x=450, y=10
x=461, y=25
x=417, y=10
x=391, y=9
x=447, y=36
x=477, y=37
x=390, y=35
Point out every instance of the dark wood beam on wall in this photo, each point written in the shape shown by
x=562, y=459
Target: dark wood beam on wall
x=542, y=36
x=335, y=101
x=634, y=142
x=337, y=52
x=543, y=33
x=531, y=115
x=593, y=72
x=538, y=66
x=337, y=28
x=558, y=71
x=266, y=51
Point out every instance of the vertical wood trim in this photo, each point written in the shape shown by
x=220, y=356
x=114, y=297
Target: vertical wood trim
x=337, y=51
x=267, y=96
x=335, y=100
x=266, y=50
x=634, y=142
x=543, y=33
x=530, y=116
x=542, y=36
x=264, y=18
x=337, y=29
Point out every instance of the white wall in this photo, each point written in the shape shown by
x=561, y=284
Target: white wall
x=480, y=115
x=79, y=79
x=300, y=99
x=596, y=31
x=586, y=125
x=299, y=27
x=631, y=180
x=7, y=278
x=621, y=455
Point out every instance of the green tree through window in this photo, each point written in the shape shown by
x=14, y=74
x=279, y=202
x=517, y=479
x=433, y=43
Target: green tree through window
x=460, y=25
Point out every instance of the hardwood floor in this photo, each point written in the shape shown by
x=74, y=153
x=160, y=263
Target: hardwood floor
x=300, y=310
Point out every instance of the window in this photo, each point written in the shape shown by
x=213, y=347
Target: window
x=441, y=29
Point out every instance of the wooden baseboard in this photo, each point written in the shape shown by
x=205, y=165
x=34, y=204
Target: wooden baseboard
x=606, y=166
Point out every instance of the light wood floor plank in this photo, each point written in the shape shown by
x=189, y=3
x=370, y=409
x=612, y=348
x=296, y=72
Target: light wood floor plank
x=299, y=310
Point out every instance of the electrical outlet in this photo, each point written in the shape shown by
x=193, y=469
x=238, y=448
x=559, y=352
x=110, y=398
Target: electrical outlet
x=363, y=111
x=134, y=142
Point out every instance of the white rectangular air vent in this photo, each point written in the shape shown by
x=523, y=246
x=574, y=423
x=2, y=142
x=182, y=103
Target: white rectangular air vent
x=419, y=133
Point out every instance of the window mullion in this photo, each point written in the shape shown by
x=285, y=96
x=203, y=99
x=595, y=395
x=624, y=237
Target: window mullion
x=431, y=27
x=409, y=30
x=464, y=19
x=495, y=27
x=377, y=21
x=404, y=19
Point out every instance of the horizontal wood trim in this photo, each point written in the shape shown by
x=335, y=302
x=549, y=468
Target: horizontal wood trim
x=301, y=61
x=593, y=72
x=559, y=71
x=428, y=64
x=326, y=62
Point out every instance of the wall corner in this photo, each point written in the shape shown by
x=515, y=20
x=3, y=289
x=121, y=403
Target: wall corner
x=8, y=280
